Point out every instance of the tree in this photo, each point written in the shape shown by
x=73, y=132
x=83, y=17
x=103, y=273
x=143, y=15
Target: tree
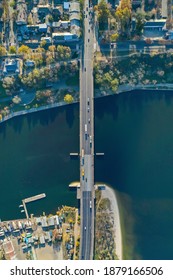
x=63, y=52
x=16, y=99
x=24, y=49
x=43, y=43
x=12, y=50
x=30, y=19
x=68, y=98
x=8, y=82
x=123, y=16
x=103, y=13
x=3, y=51
x=114, y=37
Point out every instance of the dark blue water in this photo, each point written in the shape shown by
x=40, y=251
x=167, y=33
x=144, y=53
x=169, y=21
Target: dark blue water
x=134, y=130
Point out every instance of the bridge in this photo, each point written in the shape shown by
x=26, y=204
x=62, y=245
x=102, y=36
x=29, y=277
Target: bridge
x=87, y=193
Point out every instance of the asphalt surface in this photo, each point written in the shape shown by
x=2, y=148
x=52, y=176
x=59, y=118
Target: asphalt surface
x=87, y=140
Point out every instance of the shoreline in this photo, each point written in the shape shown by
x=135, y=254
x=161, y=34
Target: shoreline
x=121, y=89
x=111, y=195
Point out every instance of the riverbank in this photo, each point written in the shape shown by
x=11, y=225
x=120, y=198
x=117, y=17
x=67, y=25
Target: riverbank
x=128, y=87
x=33, y=110
x=121, y=89
x=110, y=194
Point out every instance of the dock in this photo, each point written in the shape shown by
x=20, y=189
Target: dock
x=74, y=154
x=31, y=199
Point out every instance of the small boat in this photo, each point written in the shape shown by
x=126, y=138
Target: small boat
x=22, y=211
x=21, y=205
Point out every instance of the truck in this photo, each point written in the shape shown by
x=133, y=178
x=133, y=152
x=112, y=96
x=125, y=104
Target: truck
x=82, y=156
x=86, y=131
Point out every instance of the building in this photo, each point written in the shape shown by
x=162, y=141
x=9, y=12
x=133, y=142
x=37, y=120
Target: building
x=42, y=28
x=44, y=9
x=75, y=19
x=11, y=67
x=66, y=6
x=48, y=40
x=9, y=250
x=65, y=36
x=74, y=7
x=155, y=28
x=21, y=12
x=164, y=10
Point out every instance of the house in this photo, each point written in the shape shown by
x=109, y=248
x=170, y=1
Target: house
x=9, y=250
x=65, y=24
x=44, y=9
x=42, y=240
x=66, y=6
x=155, y=28
x=74, y=7
x=164, y=9
x=56, y=25
x=75, y=19
x=57, y=11
x=51, y=222
x=21, y=12
x=42, y=28
x=65, y=36
x=11, y=67
x=47, y=39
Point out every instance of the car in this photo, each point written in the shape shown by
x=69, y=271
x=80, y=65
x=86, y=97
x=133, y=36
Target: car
x=90, y=204
x=85, y=228
x=88, y=100
x=89, y=120
x=88, y=109
x=85, y=69
x=88, y=40
x=89, y=30
x=86, y=16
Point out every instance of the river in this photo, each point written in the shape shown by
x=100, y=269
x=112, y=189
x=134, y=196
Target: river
x=134, y=130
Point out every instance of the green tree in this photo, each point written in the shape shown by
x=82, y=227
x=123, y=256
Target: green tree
x=12, y=50
x=68, y=98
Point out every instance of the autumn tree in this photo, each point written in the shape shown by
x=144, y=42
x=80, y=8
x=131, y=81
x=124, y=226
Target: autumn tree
x=3, y=51
x=12, y=50
x=24, y=49
x=63, y=52
x=123, y=17
x=103, y=14
x=68, y=98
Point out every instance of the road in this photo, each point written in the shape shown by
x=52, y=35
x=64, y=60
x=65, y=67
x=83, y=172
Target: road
x=87, y=140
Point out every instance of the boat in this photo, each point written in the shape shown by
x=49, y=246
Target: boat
x=21, y=205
